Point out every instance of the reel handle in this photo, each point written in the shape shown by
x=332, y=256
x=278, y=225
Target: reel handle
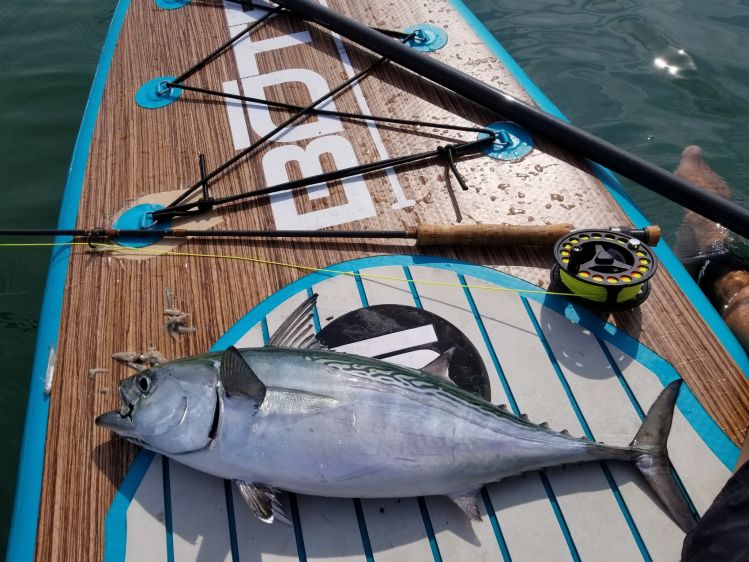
x=488, y=234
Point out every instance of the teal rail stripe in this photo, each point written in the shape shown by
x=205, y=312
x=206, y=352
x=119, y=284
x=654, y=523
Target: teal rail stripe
x=560, y=516
x=301, y=551
x=360, y=288
x=315, y=315
x=625, y=512
x=167, y=509
x=641, y=414
x=363, y=530
x=561, y=521
x=588, y=433
x=620, y=377
x=490, y=511
x=231, y=520
x=412, y=287
x=116, y=520
x=429, y=529
x=25, y=518
x=558, y=370
x=489, y=346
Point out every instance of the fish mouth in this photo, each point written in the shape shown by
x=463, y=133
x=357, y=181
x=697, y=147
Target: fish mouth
x=115, y=420
x=127, y=411
x=121, y=421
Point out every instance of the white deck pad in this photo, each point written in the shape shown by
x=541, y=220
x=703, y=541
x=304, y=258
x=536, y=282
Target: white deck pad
x=557, y=364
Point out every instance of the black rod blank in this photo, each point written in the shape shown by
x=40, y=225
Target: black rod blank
x=98, y=234
x=587, y=145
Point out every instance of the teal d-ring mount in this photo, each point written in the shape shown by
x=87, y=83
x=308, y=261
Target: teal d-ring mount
x=139, y=218
x=426, y=37
x=171, y=4
x=156, y=93
x=512, y=141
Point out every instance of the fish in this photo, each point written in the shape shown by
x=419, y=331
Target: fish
x=296, y=417
x=709, y=251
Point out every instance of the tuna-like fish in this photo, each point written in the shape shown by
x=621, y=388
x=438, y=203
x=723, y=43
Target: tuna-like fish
x=325, y=423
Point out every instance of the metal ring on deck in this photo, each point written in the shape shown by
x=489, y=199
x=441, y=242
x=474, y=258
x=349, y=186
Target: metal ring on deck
x=426, y=37
x=512, y=142
x=156, y=93
x=140, y=218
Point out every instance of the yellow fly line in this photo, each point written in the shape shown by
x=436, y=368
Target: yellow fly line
x=125, y=250
x=597, y=293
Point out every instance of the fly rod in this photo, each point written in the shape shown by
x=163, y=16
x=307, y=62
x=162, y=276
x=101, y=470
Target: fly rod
x=713, y=207
x=424, y=234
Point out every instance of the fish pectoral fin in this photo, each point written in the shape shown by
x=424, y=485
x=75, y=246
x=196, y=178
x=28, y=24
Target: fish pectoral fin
x=266, y=503
x=440, y=367
x=237, y=377
x=289, y=402
x=467, y=502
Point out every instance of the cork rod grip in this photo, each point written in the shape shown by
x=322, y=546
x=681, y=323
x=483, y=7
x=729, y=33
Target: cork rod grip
x=489, y=234
x=652, y=235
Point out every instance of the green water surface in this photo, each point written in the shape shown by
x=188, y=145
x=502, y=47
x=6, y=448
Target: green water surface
x=48, y=55
x=597, y=60
x=602, y=63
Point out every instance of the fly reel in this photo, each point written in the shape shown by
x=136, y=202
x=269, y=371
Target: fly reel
x=607, y=267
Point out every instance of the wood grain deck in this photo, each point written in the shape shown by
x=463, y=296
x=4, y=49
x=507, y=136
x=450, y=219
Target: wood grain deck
x=115, y=304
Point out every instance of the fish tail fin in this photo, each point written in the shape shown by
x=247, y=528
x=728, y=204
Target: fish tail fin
x=652, y=460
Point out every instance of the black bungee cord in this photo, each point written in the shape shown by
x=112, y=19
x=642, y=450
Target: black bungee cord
x=180, y=208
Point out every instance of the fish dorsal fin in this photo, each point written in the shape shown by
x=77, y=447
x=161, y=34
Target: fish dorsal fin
x=237, y=377
x=265, y=502
x=440, y=367
x=297, y=330
x=466, y=501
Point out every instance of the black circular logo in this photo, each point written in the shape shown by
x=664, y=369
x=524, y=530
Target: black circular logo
x=408, y=336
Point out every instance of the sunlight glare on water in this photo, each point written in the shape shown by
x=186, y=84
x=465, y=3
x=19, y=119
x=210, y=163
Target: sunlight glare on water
x=651, y=77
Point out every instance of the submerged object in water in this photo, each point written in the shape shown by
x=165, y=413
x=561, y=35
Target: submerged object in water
x=711, y=253
x=325, y=423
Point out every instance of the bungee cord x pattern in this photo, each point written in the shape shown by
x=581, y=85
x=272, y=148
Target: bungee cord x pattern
x=448, y=153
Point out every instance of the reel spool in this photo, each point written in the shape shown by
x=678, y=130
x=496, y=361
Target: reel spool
x=605, y=267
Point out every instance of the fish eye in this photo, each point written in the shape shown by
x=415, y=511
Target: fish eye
x=144, y=383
